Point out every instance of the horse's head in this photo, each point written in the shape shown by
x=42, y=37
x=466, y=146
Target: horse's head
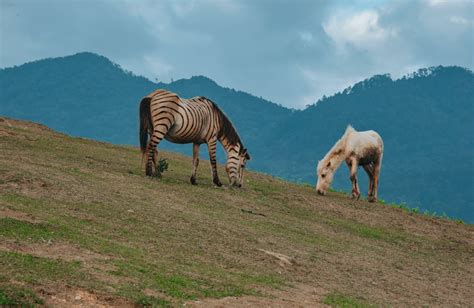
x=235, y=167
x=325, y=174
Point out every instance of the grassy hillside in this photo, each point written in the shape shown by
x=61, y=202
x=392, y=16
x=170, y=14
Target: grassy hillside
x=80, y=224
x=421, y=117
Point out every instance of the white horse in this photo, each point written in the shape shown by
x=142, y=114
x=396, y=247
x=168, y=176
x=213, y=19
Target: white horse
x=357, y=149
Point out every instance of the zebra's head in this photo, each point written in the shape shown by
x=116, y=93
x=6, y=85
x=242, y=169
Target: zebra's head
x=235, y=166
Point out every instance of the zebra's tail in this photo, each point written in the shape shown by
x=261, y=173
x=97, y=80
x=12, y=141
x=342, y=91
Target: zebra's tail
x=145, y=122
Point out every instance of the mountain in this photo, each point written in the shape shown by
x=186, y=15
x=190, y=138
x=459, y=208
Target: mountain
x=81, y=226
x=87, y=95
x=425, y=119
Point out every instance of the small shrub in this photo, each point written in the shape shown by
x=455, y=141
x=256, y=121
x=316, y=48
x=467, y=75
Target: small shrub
x=161, y=167
x=150, y=301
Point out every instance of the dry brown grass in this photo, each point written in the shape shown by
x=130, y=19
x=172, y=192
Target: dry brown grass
x=79, y=215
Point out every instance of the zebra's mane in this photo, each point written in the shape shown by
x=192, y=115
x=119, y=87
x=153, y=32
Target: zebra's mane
x=227, y=129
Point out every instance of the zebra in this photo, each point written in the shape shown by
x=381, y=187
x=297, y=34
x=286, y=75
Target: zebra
x=196, y=120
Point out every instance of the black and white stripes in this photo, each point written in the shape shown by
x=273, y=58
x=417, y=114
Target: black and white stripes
x=196, y=120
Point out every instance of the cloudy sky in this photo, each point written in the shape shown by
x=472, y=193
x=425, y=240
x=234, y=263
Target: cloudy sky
x=291, y=52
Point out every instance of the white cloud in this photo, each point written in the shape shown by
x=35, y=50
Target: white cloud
x=361, y=29
x=459, y=20
x=437, y=3
x=289, y=53
x=158, y=67
x=320, y=83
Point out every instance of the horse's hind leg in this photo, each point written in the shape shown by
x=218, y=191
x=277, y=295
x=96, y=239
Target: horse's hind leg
x=376, y=172
x=370, y=172
x=195, y=162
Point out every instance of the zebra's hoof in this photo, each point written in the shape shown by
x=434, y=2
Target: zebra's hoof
x=217, y=183
x=193, y=180
x=149, y=171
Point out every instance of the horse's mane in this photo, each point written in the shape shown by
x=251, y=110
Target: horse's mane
x=339, y=145
x=227, y=129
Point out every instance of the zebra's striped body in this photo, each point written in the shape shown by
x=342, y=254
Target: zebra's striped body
x=196, y=120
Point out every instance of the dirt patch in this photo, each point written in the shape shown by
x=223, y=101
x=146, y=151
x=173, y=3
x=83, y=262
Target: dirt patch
x=5, y=212
x=27, y=185
x=299, y=296
x=52, y=250
x=68, y=296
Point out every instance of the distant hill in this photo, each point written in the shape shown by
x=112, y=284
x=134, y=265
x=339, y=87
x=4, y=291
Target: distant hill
x=81, y=226
x=426, y=120
x=427, y=123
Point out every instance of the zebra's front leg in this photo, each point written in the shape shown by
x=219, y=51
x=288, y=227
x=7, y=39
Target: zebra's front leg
x=211, y=145
x=195, y=163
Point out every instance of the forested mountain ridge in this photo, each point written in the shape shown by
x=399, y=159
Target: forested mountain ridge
x=425, y=119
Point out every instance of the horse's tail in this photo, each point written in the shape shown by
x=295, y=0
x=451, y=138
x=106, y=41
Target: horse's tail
x=145, y=122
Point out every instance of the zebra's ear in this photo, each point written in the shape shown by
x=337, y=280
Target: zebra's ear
x=246, y=153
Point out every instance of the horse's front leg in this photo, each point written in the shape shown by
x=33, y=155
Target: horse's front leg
x=353, y=176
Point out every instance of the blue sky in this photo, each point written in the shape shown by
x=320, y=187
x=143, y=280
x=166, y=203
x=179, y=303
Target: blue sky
x=291, y=52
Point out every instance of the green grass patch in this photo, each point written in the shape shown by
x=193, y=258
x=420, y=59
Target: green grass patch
x=365, y=231
x=23, y=230
x=32, y=269
x=11, y=295
x=201, y=284
x=417, y=211
x=338, y=300
x=191, y=288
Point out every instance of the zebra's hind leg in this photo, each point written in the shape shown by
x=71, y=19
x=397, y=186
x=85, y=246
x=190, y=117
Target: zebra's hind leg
x=195, y=163
x=211, y=144
x=151, y=161
x=155, y=139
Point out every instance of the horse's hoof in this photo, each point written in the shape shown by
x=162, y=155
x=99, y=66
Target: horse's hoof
x=193, y=180
x=355, y=196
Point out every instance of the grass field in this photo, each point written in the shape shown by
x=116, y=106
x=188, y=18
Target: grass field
x=80, y=224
